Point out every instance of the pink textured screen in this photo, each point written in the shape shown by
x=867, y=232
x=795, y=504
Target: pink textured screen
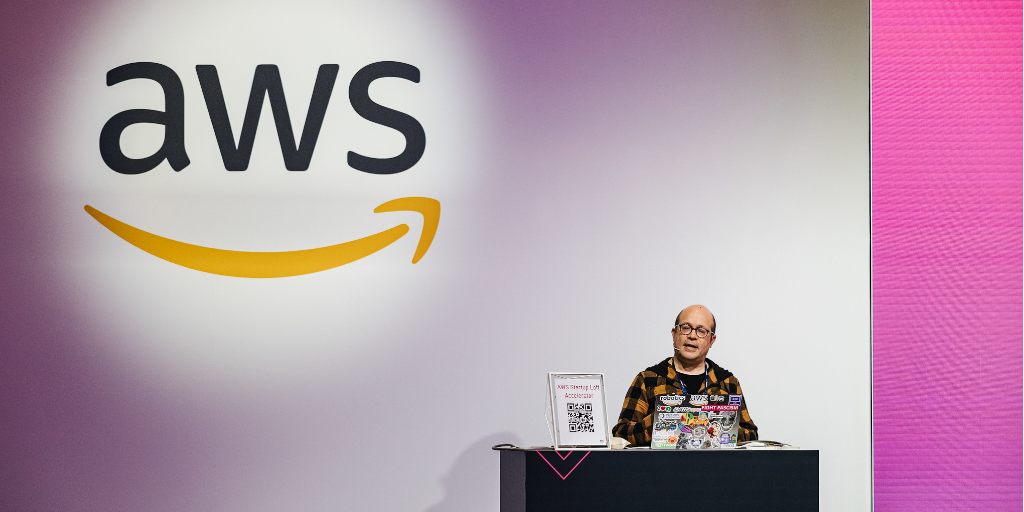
x=946, y=221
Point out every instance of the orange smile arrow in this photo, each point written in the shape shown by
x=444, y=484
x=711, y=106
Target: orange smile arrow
x=279, y=264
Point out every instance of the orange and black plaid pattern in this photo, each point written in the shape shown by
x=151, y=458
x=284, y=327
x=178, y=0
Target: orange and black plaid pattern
x=637, y=415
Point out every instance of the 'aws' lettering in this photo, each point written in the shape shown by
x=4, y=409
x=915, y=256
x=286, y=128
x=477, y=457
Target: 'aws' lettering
x=266, y=83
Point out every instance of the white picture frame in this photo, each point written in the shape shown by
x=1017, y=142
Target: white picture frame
x=575, y=397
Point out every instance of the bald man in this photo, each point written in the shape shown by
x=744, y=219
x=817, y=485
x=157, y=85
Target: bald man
x=692, y=336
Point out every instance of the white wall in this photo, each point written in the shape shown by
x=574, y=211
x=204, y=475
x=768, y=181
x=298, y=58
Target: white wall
x=597, y=173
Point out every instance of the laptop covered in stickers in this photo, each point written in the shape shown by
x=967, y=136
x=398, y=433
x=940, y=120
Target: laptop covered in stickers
x=696, y=422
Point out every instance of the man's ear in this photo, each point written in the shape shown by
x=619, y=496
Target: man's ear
x=713, y=338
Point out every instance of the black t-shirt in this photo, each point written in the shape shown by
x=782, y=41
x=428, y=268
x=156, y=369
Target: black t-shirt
x=692, y=382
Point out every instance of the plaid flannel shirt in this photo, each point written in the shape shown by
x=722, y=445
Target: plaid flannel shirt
x=637, y=416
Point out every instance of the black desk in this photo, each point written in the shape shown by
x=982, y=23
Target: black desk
x=636, y=480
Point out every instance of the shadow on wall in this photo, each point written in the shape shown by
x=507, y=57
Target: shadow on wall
x=471, y=484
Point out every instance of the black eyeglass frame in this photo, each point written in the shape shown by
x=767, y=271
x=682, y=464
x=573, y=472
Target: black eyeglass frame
x=679, y=329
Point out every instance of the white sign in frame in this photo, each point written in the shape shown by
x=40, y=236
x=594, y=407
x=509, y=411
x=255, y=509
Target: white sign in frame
x=578, y=410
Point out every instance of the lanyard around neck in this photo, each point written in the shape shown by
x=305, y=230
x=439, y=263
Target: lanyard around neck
x=683, y=386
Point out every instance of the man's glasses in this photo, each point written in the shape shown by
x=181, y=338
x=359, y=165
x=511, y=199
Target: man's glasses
x=686, y=329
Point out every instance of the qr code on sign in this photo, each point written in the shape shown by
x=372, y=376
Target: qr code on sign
x=581, y=417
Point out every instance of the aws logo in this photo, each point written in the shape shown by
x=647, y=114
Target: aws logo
x=266, y=84
x=698, y=399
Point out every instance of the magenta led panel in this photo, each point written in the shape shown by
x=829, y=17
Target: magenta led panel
x=946, y=221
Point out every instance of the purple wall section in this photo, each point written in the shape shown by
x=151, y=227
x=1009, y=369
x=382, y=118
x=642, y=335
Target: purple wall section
x=73, y=430
x=946, y=220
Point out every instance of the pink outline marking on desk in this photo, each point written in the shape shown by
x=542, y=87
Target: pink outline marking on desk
x=563, y=458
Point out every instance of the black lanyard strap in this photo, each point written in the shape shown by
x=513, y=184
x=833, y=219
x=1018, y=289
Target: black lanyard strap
x=683, y=386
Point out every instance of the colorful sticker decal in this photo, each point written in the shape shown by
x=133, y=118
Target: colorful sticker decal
x=711, y=424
